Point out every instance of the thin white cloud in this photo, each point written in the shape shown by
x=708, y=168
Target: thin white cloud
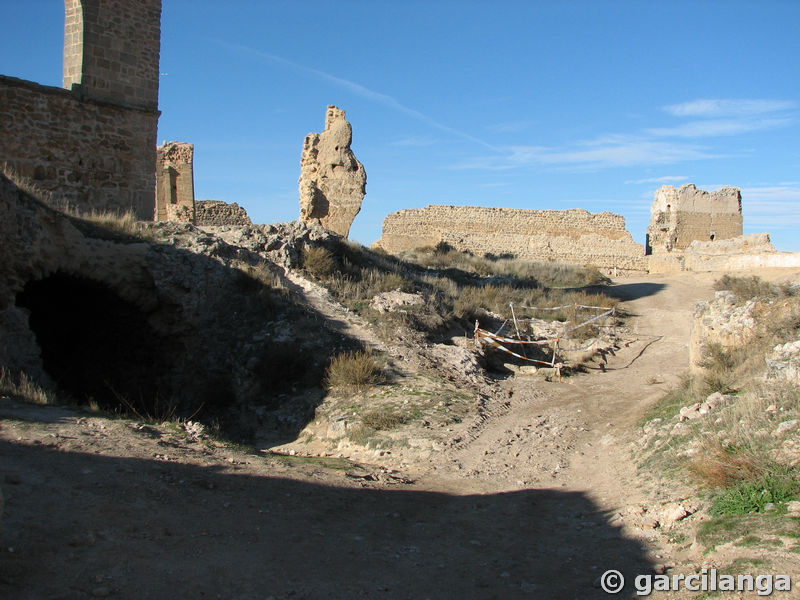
x=610, y=151
x=509, y=127
x=728, y=107
x=718, y=127
x=664, y=179
x=419, y=141
x=357, y=89
x=775, y=206
x=620, y=152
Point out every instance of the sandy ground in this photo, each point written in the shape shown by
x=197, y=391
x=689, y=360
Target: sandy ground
x=528, y=507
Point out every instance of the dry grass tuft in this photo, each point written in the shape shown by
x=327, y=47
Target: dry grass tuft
x=747, y=288
x=353, y=370
x=121, y=222
x=23, y=387
x=382, y=419
x=718, y=465
x=318, y=261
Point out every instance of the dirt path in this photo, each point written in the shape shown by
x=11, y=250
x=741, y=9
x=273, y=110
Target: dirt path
x=525, y=508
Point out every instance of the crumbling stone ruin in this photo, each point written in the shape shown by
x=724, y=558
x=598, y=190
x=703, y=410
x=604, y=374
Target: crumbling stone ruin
x=180, y=314
x=694, y=230
x=175, y=182
x=679, y=217
x=332, y=181
x=217, y=213
x=91, y=144
x=571, y=236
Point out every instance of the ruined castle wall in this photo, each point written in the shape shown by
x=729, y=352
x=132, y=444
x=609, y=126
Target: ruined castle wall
x=681, y=216
x=209, y=213
x=93, y=143
x=93, y=154
x=572, y=236
x=175, y=182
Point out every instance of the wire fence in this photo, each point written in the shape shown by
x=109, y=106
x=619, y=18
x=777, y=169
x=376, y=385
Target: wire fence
x=500, y=342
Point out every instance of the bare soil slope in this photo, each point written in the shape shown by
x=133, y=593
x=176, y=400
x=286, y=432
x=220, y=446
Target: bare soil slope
x=536, y=500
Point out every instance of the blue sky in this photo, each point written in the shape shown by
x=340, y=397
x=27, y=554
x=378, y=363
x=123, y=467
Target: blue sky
x=544, y=105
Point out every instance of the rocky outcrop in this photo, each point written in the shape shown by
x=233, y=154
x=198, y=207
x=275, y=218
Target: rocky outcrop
x=570, y=236
x=679, y=217
x=173, y=314
x=783, y=363
x=217, y=213
x=332, y=181
x=722, y=321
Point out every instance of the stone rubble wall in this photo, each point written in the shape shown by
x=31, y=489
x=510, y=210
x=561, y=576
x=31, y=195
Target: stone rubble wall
x=212, y=213
x=721, y=321
x=679, y=217
x=92, y=154
x=571, y=236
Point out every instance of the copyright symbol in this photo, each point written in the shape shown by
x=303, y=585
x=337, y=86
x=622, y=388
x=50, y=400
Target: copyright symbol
x=612, y=582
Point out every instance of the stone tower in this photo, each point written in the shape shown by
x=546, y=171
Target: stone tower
x=175, y=182
x=111, y=50
x=679, y=217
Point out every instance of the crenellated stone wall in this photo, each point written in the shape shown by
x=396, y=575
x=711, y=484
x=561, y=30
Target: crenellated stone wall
x=681, y=216
x=571, y=236
x=217, y=212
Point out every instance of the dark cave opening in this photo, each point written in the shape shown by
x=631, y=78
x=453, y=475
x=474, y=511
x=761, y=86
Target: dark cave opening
x=97, y=346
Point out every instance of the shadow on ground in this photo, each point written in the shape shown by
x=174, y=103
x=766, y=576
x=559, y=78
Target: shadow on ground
x=633, y=291
x=83, y=524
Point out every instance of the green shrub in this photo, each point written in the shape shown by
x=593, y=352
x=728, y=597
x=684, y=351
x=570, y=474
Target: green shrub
x=779, y=484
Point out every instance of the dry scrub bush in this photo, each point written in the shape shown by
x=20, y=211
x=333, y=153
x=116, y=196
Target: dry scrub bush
x=747, y=288
x=352, y=370
x=21, y=386
x=463, y=288
x=121, y=222
x=318, y=261
x=381, y=419
x=551, y=274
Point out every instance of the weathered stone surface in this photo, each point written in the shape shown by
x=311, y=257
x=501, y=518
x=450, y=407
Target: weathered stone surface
x=396, y=300
x=217, y=213
x=752, y=251
x=679, y=217
x=89, y=154
x=722, y=321
x=783, y=363
x=571, y=236
x=91, y=145
x=111, y=50
x=175, y=182
x=332, y=181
